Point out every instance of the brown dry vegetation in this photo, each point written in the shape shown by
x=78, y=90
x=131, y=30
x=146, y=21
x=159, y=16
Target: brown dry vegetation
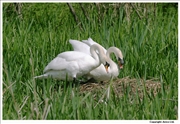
x=131, y=85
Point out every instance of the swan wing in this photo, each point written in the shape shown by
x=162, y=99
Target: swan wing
x=80, y=46
x=90, y=42
x=73, y=55
x=63, y=60
x=57, y=63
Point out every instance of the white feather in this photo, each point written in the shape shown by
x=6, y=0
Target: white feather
x=99, y=73
x=74, y=64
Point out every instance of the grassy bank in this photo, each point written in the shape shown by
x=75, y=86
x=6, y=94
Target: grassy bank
x=148, y=40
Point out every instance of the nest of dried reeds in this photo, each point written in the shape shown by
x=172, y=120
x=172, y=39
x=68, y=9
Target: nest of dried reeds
x=124, y=85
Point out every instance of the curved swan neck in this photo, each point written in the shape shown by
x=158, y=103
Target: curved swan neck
x=114, y=50
x=118, y=55
x=98, y=57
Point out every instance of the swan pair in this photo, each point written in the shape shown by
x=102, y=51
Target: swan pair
x=86, y=60
x=99, y=73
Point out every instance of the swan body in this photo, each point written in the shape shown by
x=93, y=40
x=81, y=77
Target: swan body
x=74, y=64
x=99, y=73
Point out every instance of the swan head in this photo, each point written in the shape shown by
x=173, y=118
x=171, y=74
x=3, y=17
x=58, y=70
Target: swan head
x=119, y=57
x=106, y=65
x=120, y=62
x=118, y=54
x=105, y=61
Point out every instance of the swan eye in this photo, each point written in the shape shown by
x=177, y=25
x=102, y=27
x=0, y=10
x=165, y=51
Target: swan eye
x=120, y=62
x=106, y=66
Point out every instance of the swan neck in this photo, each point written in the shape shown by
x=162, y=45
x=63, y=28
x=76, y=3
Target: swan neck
x=114, y=50
x=98, y=57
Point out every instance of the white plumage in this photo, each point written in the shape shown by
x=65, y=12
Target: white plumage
x=99, y=73
x=74, y=64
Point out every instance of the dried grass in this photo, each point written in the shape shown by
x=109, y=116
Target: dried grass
x=120, y=86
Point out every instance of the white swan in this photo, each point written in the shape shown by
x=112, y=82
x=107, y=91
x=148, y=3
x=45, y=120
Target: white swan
x=74, y=64
x=99, y=73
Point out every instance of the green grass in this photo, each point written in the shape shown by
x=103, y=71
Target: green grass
x=149, y=46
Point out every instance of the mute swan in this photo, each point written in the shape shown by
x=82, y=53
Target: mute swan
x=99, y=73
x=75, y=64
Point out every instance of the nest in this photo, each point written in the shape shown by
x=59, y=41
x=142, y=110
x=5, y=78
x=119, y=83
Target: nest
x=125, y=85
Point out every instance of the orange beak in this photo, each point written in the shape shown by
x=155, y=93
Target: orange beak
x=106, y=67
x=120, y=64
